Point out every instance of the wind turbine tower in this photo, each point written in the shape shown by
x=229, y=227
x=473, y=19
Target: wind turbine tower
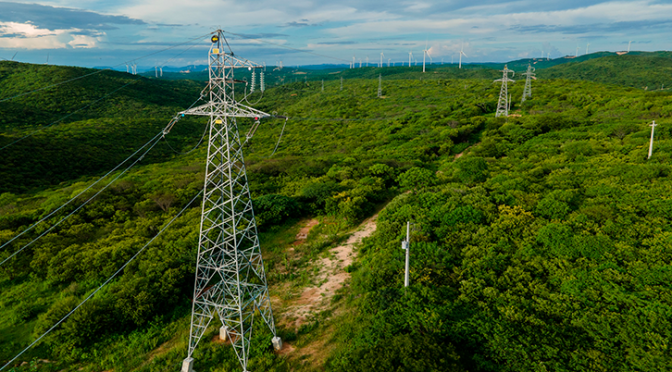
x=629, y=43
x=503, y=103
x=230, y=279
x=410, y=55
x=381, y=59
x=529, y=75
x=425, y=53
x=587, y=45
x=462, y=54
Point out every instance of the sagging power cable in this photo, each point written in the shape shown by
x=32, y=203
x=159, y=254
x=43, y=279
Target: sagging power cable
x=156, y=140
x=102, y=285
x=103, y=70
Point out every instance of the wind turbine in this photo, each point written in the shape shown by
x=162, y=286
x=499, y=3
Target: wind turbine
x=587, y=45
x=629, y=42
x=381, y=59
x=388, y=62
x=410, y=55
x=46, y=63
x=425, y=52
x=353, y=61
x=462, y=54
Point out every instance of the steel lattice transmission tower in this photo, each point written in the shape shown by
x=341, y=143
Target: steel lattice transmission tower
x=230, y=278
x=528, y=82
x=503, y=104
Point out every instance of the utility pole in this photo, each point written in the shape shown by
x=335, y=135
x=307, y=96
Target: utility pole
x=406, y=245
x=503, y=104
x=380, y=85
x=653, y=127
x=527, y=92
x=230, y=278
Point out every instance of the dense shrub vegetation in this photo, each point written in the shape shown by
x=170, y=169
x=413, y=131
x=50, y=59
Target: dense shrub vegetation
x=546, y=245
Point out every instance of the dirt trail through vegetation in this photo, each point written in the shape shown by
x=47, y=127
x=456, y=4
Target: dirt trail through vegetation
x=331, y=275
x=465, y=150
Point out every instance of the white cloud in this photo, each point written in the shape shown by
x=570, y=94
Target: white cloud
x=28, y=36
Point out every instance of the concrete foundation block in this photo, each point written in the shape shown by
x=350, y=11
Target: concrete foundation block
x=277, y=343
x=223, y=333
x=188, y=365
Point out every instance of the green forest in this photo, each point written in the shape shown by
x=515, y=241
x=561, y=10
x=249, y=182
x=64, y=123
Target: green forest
x=540, y=242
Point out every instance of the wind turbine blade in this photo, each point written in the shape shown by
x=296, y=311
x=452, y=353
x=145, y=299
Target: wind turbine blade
x=465, y=54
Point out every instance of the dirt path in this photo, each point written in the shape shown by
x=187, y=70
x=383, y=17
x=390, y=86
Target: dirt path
x=331, y=275
x=465, y=150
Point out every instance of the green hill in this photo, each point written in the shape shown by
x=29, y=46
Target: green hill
x=541, y=241
x=651, y=71
x=98, y=119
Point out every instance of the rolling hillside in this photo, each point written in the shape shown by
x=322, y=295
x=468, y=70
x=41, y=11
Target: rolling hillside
x=540, y=242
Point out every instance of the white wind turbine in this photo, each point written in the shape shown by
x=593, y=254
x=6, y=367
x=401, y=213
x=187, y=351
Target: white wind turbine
x=425, y=53
x=629, y=43
x=587, y=45
x=381, y=59
x=462, y=54
x=410, y=55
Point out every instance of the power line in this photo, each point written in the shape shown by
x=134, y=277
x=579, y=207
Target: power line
x=81, y=192
x=287, y=47
x=100, y=71
x=102, y=285
x=66, y=116
x=82, y=205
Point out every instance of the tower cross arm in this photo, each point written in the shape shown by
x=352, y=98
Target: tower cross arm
x=236, y=62
x=236, y=111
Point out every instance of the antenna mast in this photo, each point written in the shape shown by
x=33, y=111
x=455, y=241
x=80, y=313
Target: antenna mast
x=230, y=278
x=503, y=104
x=406, y=245
x=528, y=82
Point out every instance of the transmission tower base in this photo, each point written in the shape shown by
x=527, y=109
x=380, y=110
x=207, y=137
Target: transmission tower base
x=223, y=331
x=277, y=343
x=188, y=365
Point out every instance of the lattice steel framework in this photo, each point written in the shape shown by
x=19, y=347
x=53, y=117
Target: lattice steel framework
x=503, y=103
x=527, y=92
x=230, y=278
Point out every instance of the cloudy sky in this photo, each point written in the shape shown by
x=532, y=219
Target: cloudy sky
x=108, y=33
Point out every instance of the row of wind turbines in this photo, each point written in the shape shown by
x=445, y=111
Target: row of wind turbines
x=425, y=54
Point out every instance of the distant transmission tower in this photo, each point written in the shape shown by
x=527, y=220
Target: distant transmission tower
x=528, y=83
x=503, y=104
x=230, y=277
x=380, y=85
